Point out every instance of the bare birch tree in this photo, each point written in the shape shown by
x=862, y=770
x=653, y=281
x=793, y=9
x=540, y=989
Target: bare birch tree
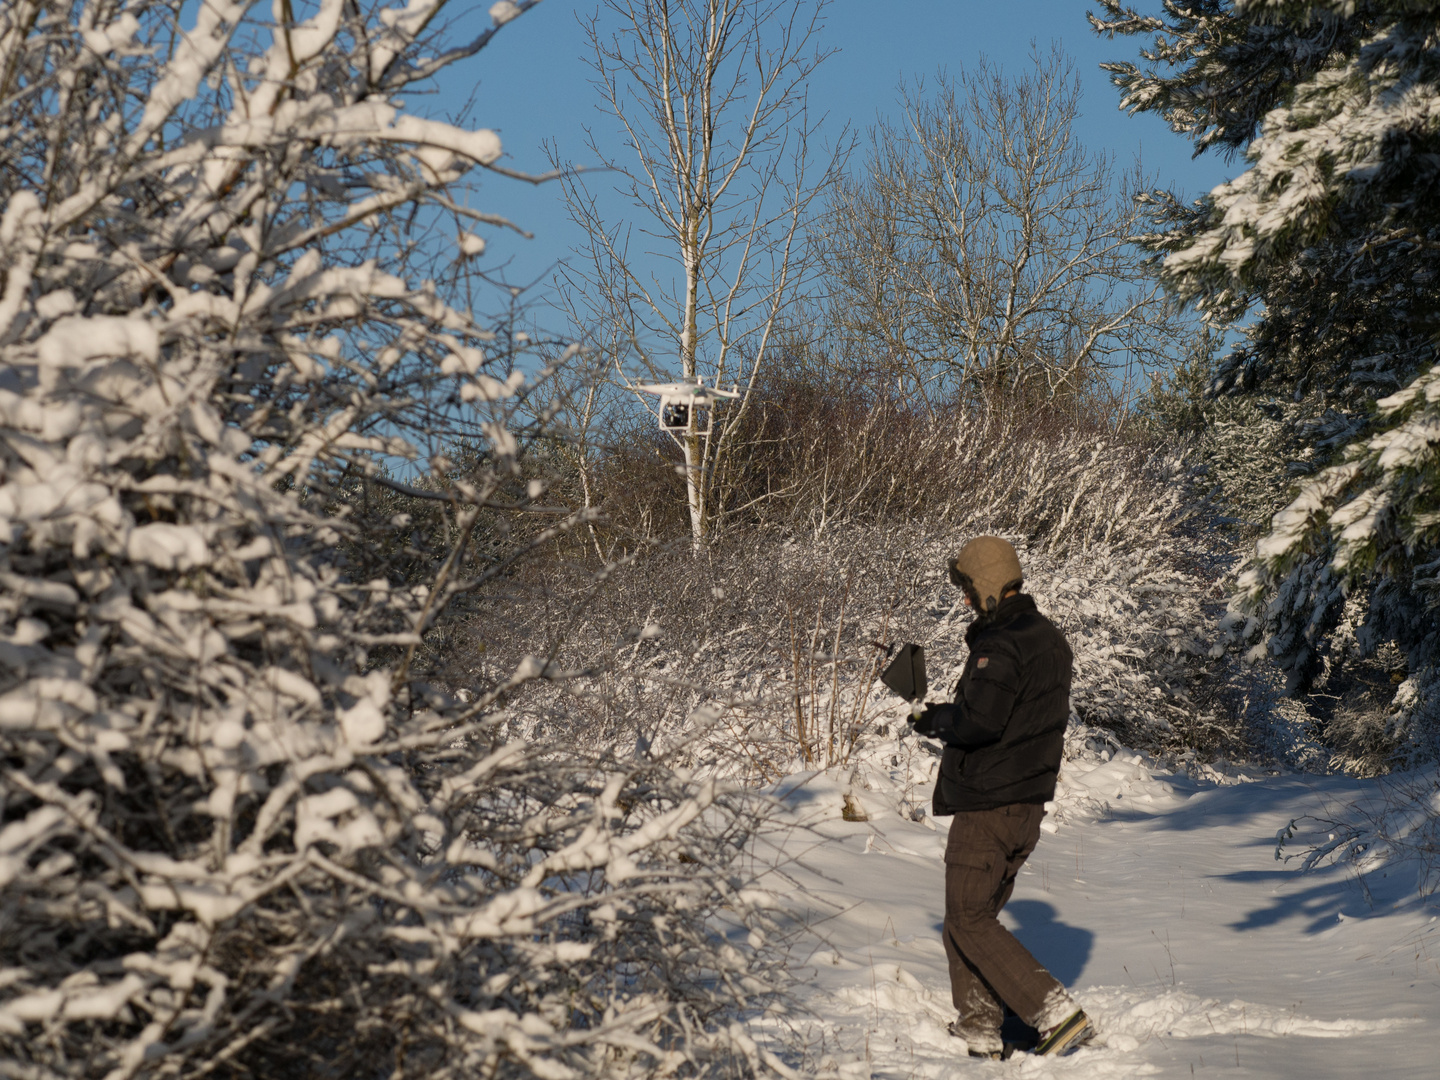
x=984, y=250
x=710, y=101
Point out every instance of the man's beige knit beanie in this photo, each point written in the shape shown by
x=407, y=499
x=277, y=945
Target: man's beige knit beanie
x=986, y=567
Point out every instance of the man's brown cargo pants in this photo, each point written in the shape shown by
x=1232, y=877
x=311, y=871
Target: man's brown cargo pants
x=988, y=966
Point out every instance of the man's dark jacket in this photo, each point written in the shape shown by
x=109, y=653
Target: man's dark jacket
x=1006, y=730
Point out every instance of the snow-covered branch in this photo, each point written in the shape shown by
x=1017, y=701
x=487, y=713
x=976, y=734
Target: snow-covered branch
x=238, y=834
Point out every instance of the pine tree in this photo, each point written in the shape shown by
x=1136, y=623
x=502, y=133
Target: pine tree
x=1331, y=236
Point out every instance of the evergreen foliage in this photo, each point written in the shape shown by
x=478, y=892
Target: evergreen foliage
x=1243, y=446
x=1332, y=235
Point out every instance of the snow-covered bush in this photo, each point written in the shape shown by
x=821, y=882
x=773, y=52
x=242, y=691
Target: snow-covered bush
x=772, y=628
x=238, y=835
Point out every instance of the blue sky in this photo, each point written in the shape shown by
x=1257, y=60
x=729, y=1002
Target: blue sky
x=531, y=85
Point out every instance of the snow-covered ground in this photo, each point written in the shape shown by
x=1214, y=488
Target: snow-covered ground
x=1155, y=896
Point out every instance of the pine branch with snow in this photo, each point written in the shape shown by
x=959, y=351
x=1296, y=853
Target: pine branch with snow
x=1330, y=232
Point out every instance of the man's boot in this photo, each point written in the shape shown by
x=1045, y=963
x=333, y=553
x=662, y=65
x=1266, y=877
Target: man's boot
x=1067, y=1036
x=981, y=1044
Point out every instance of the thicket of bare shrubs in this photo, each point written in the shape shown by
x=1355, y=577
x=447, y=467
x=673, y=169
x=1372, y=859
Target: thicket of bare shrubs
x=836, y=536
x=822, y=449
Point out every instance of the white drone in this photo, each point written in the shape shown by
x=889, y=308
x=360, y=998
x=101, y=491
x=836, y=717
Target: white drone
x=677, y=400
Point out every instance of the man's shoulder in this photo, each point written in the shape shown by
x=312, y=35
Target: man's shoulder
x=1029, y=625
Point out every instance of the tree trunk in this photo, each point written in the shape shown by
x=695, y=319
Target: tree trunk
x=693, y=448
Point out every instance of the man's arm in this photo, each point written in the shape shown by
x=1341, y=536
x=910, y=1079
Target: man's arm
x=982, y=707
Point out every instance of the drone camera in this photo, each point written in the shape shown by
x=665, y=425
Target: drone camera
x=675, y=416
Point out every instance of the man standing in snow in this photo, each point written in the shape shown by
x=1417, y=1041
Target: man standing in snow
x=1003, y=737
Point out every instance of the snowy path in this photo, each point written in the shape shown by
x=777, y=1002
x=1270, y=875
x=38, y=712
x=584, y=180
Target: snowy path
x=1158, y=900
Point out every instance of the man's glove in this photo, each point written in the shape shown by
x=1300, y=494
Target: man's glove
x=932, y=719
